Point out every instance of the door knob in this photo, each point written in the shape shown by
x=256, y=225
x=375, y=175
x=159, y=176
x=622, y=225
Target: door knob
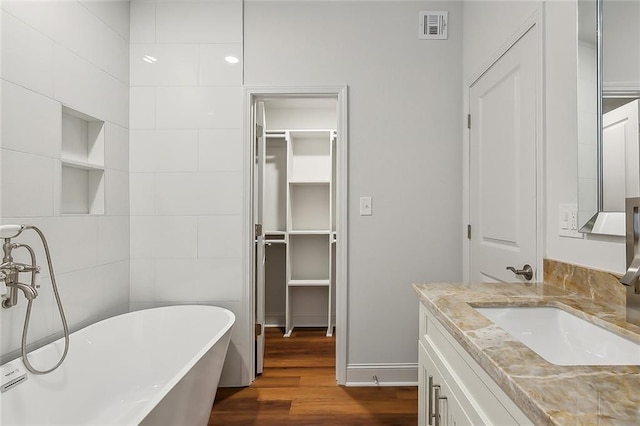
x=526, y=271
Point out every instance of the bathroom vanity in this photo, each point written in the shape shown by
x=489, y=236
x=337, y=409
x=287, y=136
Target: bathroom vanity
x=471, y=371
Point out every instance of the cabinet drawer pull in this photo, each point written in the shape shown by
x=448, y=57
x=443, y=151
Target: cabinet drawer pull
x=436, y=414
x=429, y=407
x=433, y=402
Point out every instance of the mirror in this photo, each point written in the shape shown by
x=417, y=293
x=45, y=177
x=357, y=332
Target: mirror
x=608, y=130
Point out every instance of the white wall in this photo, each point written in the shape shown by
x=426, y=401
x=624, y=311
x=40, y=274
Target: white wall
x=404, y=150
x=71, y=53
x=487, y=26
x=186, y=159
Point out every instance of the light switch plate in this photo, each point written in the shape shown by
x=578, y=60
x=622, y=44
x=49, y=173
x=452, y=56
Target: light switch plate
x=365, y=206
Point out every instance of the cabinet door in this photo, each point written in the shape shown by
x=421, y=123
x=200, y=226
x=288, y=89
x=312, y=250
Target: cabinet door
x=448, y=407
x=472, y=396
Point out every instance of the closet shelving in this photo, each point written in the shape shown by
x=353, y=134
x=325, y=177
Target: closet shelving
x=300, y=211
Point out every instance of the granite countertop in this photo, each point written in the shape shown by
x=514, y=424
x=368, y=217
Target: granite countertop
x=546, y=393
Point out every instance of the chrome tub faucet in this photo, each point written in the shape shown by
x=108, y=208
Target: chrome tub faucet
x=10, y=270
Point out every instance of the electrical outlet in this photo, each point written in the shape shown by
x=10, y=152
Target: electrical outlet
x=568, y=221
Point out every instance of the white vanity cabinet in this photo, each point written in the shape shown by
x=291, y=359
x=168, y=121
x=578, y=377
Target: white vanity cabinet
x=453, y=389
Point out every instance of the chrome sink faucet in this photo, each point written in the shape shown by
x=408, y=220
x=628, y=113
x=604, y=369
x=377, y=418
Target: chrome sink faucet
x=631, y=278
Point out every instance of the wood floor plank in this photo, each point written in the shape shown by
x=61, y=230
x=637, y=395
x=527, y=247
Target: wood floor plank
x=298, y=387
x=322, y=406
x=301, y=393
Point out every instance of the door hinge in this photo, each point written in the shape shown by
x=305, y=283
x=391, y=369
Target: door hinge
x=258, y=230
x=469, y=231
x=259, y=130
x=258, y=330
x=468, y=121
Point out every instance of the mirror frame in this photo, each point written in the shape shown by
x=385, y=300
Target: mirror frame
x=604, y=222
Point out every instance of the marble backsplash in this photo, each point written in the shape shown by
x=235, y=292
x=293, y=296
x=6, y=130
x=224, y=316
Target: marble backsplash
x=601, y=286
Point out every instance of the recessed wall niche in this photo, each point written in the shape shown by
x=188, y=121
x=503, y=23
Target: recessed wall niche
x=82, y=184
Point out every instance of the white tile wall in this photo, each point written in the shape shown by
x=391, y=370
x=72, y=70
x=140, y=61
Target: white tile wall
x=198, y=193
x=198, y=107
x=26, y=193
x=142, y=194
x=66, y=23
x=186, y=156
x=164, y=64
x=116, y=149
x=40, y=326
x=117, y=192
x=198, y=22
x=143, y=21
x=21, y=108
x=193, y=280
x=113, y=287
x=27, y=55
x=113, y=57
x=92, y=294
x=220, y=150
x=215, y=70
x=86, y=88
x=164, y=237
x=74, y=54
x=164, y=150
x=218, y=236
x=144, y=276
x=73, y=241
x=114, y=13
x=78, y=29
x=113, y=239
x=142, y=106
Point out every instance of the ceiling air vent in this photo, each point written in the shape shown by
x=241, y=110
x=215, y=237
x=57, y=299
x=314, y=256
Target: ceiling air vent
x=433, y=25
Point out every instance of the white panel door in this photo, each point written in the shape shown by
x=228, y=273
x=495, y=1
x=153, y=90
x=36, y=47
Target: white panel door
x=620, y=156
x=502, y=174
x=258, y=185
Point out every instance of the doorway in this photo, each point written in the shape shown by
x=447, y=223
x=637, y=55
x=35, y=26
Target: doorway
x=297, y=144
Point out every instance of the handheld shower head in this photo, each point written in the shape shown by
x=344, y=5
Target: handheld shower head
x=10, y=231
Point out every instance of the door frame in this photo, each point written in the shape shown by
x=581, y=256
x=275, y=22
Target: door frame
x=535, y=20
x=251, y=95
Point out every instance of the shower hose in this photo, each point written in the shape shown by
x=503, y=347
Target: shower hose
x=27, y=318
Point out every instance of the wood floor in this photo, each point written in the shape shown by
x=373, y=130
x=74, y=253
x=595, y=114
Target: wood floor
x=298, y=387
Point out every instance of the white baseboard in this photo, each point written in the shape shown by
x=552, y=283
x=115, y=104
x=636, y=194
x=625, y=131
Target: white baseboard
x=386, y=374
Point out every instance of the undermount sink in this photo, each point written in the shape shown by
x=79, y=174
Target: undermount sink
x=562, y=338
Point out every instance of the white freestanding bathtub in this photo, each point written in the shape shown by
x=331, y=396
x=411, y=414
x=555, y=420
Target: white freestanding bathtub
x=158, y=366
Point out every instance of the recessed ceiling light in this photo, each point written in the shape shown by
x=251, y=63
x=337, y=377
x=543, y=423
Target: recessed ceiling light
x=150, y=59
x=232, y=59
